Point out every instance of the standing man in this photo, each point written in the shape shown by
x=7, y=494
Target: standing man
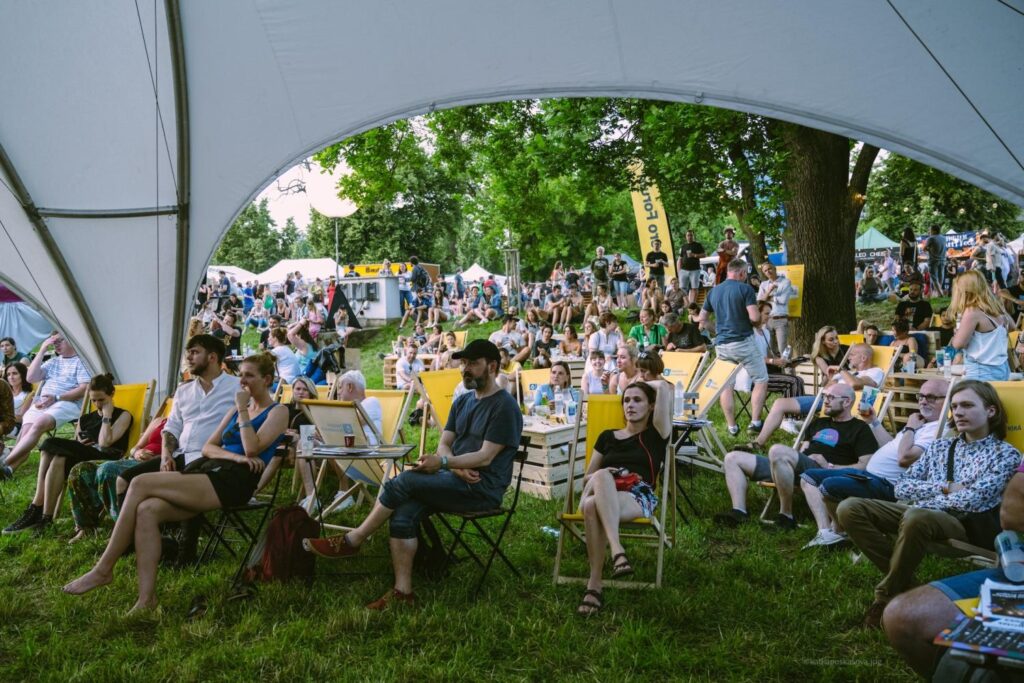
x=935, y=246
x=470, y=471
x=777, y=290
x=688, y=264
x=735, y=309
x=599, y=269
x=656, y=261
x=65, y=380
x=728, y=249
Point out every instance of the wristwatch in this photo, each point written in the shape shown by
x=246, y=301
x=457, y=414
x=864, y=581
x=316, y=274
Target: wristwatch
x=444, y=462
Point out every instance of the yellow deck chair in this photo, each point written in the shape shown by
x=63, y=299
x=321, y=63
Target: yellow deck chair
x=709, y=386
x=605, y=412
x=1012, y=396
x=460, y=338
x=884, y=357
x=530, y=381
x=683, y=366
x=165, y=408
x=851, y=339
x=393, y=404
x=437, y=388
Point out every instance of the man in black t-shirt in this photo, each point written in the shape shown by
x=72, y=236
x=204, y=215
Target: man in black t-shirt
x=682, y=336
x=656, y=261
x=273, y=322
x=688, y=264
x=599, y=269
x=914, y=308
x=836, y=439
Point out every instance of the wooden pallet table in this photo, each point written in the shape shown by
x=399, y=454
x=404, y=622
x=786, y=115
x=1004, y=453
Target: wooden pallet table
x=546, y=472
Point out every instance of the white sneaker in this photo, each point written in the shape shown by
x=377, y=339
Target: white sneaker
x=790, y=425
x=307, y=503
x=825, y=537
x=343, y=505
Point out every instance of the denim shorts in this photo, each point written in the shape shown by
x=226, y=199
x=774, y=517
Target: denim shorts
x=745, y=353
x=620, y=287
x=965, y=586
x=841, y=483
x=763, y=468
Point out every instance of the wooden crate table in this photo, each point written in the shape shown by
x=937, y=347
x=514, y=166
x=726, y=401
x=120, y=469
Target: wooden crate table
x=390, y=381
x=905, y=386
x=546, y=472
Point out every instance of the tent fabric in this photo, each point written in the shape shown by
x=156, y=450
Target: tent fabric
x=21, y=322
x=130, y=140
x=872, y=239
x=311, y=268
x=477, y=272
x=241, y=275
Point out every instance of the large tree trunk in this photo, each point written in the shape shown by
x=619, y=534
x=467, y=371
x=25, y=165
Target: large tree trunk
x=818, y=233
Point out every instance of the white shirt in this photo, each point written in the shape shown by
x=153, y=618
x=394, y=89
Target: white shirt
x=406, y=370
x=288, y=366
x=61, y=375
x=876, y=374
x=196, y=413
x=784, y=291
x=371, y=406
x=885, y=462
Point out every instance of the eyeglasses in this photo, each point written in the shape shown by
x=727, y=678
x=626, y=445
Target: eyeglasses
x=829, y=397
x=931, y=398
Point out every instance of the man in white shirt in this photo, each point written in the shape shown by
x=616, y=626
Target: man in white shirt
x=777, y=290
x=407, y=367
x=58, y=401
x=874, y=476
x=511, y=338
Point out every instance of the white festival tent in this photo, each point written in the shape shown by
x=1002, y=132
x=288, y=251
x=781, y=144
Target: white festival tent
x=241, y=275
x=132, y=134
x=477, y=273
x=310, y=268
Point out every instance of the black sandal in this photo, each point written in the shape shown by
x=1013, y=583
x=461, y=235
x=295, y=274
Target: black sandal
x=621, y=566
x=592, y=606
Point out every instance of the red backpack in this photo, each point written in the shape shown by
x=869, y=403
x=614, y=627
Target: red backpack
x=280, y=553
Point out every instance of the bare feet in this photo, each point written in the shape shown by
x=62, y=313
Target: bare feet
x=82, y=534
x=86, y=582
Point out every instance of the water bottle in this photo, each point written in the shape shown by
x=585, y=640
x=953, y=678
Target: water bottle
x=787, y=354
x=559, y=402
x=947, y=368
x=570, y=407
x=940, y=359
x=550, y=531
x=910, y=366
x=679, y=398
x=1011, y=555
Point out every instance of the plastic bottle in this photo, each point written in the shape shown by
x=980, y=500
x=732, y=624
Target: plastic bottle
x=787, y=354
x=559, y=407
x=678, y=398
x=1011, y=555
x=550, y=531
x=570, y=406
x=910, y=366
x=940, y=359
x=947, y=368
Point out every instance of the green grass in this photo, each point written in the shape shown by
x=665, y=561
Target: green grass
x=736, y=605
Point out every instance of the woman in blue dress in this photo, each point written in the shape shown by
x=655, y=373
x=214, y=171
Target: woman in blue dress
x=234, y=457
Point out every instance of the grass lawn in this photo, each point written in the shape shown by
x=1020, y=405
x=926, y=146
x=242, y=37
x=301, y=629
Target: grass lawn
x=739, y=605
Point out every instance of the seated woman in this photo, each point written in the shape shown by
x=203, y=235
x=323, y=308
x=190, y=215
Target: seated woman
x=650, y=295
x=441, y=310
x=648, y=332
x=236, y=453
x=608, y=338
x=92, y=485
x=102, y=434
x=602, y=302
x=870, y=290
x=21, y=389
x=305, y=348
x=559, y=379
x=638, y=448
x=571, y=345
x=595, y=379
x=316, y=314
x=907, y=344
x=826, y=351
x=508, y=366
x=432, y=342
x=302, y=389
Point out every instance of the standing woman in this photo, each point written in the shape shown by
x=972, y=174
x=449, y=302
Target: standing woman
x=236, y=453
x=557, y=274
x=316, y=314
x=981, y=329
x=908, y=249
x=638, y=448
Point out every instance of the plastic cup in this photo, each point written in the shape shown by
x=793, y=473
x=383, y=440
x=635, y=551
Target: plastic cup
x=306, y=433
x=867, y=399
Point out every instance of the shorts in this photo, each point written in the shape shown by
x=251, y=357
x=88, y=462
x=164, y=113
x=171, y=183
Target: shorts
x=689, y=280
x=62, y=412
x=643, y=494
x=233, y=482
x=763, y=468
x=745, y=353
x=806, y=402
x=966, y=586
x=74, y=452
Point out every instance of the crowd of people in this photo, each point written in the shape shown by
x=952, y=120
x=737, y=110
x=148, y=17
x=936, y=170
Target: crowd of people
x=887, y=494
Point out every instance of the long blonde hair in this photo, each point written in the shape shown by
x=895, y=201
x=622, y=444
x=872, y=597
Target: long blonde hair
x=971, y=290
x=819, y=340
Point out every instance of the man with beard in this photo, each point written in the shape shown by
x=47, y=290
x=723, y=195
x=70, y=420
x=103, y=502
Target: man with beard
x=470, y=472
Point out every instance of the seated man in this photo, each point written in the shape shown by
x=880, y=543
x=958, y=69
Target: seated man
x=511, y=337
x=913, y=308
x=912, y=619
x=824, y=489
x=58, y=401
x=407, y=367
x=895, y=536
x=836, y=439
x=470, y=471
x=554, y=306
x=860, y=374
x=682, y=336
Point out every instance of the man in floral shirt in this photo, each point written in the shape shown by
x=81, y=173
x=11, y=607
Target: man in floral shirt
x=895, y=536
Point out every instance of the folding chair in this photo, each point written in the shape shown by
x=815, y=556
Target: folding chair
x=884, y=357
x=502, y=513
x=460, y=338
x=683, y=366
x=437, y=388
x=393, y=405
x=530, y=381
x=851, y=339
x=709, y=386
x=605, y=412
x=882, y=400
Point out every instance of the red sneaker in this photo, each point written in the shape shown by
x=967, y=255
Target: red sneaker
x=393, y=597
x=332, y=548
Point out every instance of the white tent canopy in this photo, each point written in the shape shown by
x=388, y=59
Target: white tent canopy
x=310, y=268
x=476, y=272
x=129, y=142
x=240, y=274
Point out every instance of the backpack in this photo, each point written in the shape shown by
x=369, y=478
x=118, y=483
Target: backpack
x=279, y=556
x=420, y=277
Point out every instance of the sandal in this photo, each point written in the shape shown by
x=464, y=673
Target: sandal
x=588, y=606
x=621, y=566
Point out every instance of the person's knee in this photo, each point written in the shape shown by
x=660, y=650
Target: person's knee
x=148, y=510
x=588, y=506
x=736, y=460
x=779, y=454
x=915, y=520
x=850, y=510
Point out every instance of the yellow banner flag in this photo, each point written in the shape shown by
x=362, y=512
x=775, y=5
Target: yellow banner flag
x=652, y=223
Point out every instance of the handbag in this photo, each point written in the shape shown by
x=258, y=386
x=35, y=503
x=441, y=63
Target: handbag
x=625, y=480
x=981, y=527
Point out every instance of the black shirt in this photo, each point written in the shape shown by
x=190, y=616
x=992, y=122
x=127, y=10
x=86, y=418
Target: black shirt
x=624, y=274
x=636, y=453
x=920, y=310
x=540, y=344
x=599, y=268
x=572, y=279
x=233, y=343
x=1017, y=292
x=842, y=443
x=686, y=338
x=655, y=256
x=691, y=262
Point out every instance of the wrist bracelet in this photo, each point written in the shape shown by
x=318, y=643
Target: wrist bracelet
x=243, y=425
x=444, y=462
x=910, y=429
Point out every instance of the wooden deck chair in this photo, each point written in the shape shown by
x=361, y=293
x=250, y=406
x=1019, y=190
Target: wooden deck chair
x=683, y=366
x=709, y=387
x=851, y=339
x=884, y=357
x=605, y=412
x=1012, y=396
x=437, y=388
x=165, y=408
x=530, y=381
x=1011, y=344
x=460, y=338
x=334, y=420
x=882, y=400
x=279, y=392
x=393, y=404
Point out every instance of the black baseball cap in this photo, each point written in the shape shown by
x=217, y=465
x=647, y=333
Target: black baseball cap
x=478, y=348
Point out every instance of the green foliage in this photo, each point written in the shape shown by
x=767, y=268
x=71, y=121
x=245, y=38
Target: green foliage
x=253, y=242
x=904, y=192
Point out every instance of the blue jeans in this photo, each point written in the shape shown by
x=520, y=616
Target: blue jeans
x=986, y=373
x=406, y=298
x=415, y=495
x=838, y=484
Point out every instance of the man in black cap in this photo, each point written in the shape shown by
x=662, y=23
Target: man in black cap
x=470, y=471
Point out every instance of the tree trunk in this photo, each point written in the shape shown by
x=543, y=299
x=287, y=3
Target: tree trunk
x=818, y=233
x=747, y=204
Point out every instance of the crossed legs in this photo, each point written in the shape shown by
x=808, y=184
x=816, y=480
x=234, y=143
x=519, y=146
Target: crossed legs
x=604, y=509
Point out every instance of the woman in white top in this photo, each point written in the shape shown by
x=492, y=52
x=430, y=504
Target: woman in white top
x=625, y=358
x=288, y=366
x=608, y=338
x=981, y=330
x=595, y=380
x=16, y=375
